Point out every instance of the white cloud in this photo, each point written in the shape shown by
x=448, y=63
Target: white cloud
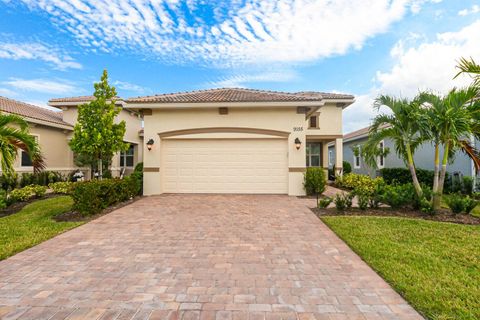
x=244, y=80
x=425, y=66
x=41, y=85
x=122, y=85
x=42, y=104
x=465, y=12
x=230, y=33
x=38, y=51
x=7, y=92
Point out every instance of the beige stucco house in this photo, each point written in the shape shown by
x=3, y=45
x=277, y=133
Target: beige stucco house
x=53, y=130
x=237, y=140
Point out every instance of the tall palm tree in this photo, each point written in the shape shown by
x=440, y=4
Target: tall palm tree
x=469, y=67
x=401, y=125
x=449, y=122
x=14, y=136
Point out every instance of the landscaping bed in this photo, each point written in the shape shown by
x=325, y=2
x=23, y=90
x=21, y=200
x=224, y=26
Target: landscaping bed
x=443, y=215
x=17, y=206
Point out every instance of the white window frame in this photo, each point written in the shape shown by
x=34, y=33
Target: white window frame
x=330, y=157
x=359, y=148
x=381, y=165
x=124, y=155
x=37, y=139
x=310, y=154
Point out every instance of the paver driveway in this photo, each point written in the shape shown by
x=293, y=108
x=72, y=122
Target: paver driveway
x=198, y=256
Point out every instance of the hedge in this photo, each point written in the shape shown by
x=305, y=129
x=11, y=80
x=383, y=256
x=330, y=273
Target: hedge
x=403, y=176
x=91, y=197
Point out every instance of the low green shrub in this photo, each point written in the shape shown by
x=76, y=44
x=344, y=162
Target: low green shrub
x=456, y=203
x=469, y=204
x=43, y=178
x=9, y=181
x=363, y=201
x=426, y=206
x=467, y=185
x=26, y=193
x=324, y=202
x=349, y=199
x=3, y=199
x=137, y=175
x=61, y=187
x=397, y=196
x=356, y=181
x=347, y=167
x=340, y=202
x=314, y=181
x=403, y=176
x=93, y=196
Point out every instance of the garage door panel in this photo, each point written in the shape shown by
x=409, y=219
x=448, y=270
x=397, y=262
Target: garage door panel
x=224, y=166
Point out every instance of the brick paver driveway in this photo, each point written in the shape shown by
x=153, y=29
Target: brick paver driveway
x=198, y=256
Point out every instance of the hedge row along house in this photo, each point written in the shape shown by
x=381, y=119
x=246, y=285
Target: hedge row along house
x=209, y=141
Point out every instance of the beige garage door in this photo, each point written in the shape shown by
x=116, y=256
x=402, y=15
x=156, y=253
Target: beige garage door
x=224, y=166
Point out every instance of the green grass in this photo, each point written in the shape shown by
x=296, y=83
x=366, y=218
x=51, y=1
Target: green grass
x=33, y=225
x=435, y=266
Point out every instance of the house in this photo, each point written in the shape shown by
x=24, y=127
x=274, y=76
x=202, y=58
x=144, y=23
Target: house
x=133, y=135
x=53, y=130
x=423, y=157
x=234, y=140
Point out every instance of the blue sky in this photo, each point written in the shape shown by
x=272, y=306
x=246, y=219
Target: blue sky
x=55, y=48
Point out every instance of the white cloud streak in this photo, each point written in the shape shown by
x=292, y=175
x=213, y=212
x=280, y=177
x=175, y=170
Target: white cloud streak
x=245, y=80
x=127, y=86
x=426, y=66
x=230, y=33
x=41, y=85
x=38, y=51
x=465, y=12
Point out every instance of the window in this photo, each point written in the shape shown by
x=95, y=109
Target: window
x=313, y=122
x=313, y=154
x=26, y=161
x=357, y=161
x=381, y=158
x=126, y=157
x=330, y=157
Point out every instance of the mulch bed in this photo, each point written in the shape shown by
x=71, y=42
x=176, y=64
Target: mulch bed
x=16, y=207
x=73, y=216
x=443, y=215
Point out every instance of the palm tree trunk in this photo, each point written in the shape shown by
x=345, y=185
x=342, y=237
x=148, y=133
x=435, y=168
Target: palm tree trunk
x=443, y=172
x=436, y=198
x=411, y=166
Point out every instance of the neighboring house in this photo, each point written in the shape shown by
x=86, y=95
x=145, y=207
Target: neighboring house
x=237, y=140
x=423, y=156
x=53, y=130
x=133, y=135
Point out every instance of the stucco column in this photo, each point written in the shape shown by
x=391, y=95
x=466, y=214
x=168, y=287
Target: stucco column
x=338, y=156
x=325, y=158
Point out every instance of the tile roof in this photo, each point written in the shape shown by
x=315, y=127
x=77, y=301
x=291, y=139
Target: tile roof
x=30, y=111
x=356, y=133
x=76, y=99
x=229, y=95
x=325, y=95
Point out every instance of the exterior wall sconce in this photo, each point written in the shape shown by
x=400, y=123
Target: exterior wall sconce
x=150, y=144
x=298, y=143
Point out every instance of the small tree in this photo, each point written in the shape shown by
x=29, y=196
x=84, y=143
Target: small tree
x=96, y=135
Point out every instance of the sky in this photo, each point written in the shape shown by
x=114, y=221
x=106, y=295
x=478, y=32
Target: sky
x=59, y=48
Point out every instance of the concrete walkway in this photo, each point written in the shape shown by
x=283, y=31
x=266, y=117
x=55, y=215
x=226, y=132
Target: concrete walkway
x=198, y=257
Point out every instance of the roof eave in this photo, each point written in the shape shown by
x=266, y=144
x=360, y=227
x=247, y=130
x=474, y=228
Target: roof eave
x=187, y=105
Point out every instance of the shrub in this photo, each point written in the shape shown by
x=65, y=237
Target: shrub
x=397, y=196
x=358, y=181
x=469, y=204
x=348, y=199
x=403, y=176
x=347, y=167
x=467, y=187
x=426, y=206
x=363, y=201
x=9, y=181
x=3, y=199
x=339, y=201
x=456, y=203
x=137, y=175
x=324, y=202
x=314, y=181
x=43, y=178
x=26, y=193
x=476, y=195
x=93, y=196
x=61, y=187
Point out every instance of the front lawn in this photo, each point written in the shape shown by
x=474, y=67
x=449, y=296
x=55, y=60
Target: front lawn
x=435, y=266
x=33, y=225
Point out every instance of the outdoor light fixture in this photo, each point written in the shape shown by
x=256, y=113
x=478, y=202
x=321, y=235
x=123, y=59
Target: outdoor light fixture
x=298, y=143
x=150, y=144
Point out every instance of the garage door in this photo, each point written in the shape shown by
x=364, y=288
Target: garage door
x=224, y=166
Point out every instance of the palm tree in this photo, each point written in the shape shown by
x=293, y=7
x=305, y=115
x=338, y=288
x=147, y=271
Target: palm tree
x=471, y=68
x=14, y=136
x=402, y=127
x=449, y=121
